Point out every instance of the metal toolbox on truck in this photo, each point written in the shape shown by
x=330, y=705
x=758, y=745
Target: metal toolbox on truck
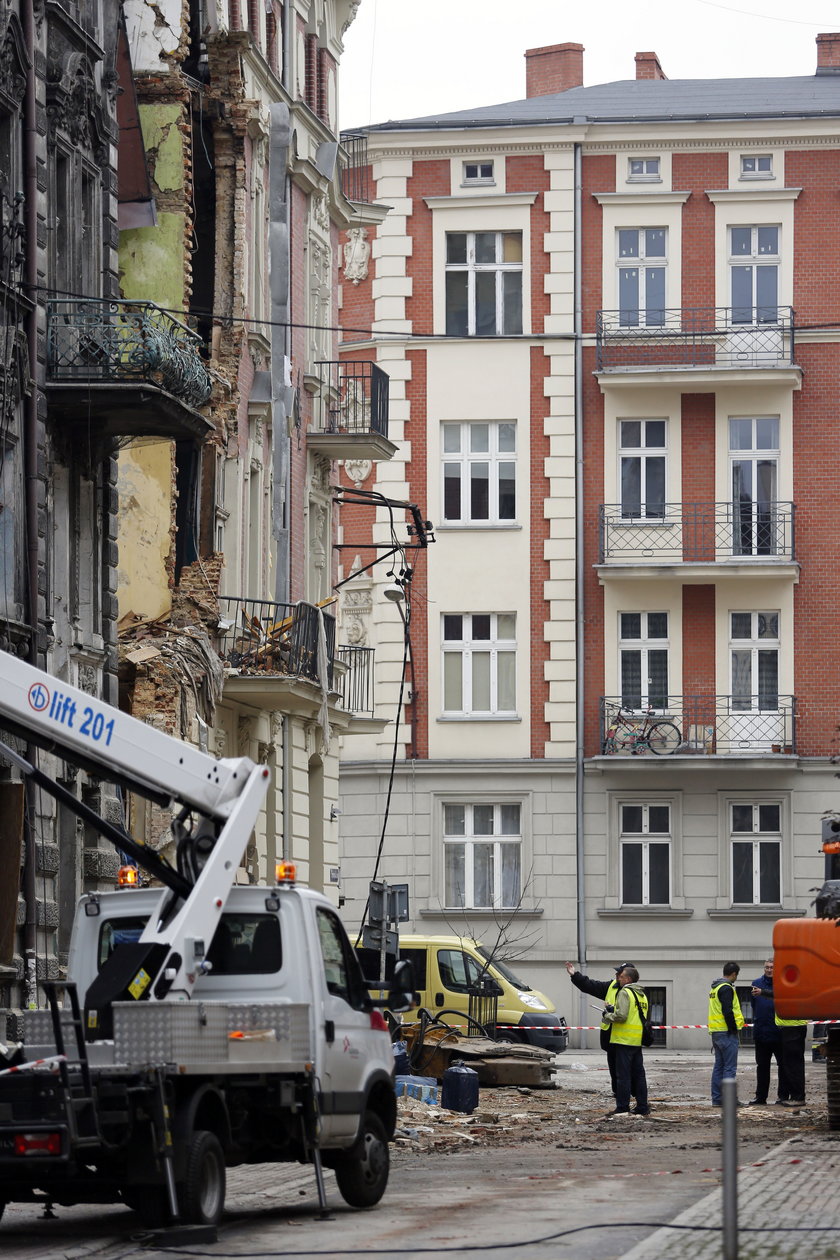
x=214, y=1036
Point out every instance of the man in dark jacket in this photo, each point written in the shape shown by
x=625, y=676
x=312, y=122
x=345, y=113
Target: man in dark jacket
x=768, y=1042
x=606, y=991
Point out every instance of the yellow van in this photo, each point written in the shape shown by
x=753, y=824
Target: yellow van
x=447, y=967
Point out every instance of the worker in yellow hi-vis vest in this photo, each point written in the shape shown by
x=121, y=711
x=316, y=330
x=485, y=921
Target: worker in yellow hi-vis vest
x=793, y=1033
x=725, y=1022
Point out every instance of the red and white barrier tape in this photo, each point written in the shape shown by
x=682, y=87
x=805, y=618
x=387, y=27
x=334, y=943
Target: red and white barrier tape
x=51, y=1062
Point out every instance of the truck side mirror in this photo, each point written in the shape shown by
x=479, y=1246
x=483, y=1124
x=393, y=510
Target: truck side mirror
x=401, y=996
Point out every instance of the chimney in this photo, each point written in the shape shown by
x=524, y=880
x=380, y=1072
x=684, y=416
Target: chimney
x=828, y=54
x=648, y=67
x=554, y=69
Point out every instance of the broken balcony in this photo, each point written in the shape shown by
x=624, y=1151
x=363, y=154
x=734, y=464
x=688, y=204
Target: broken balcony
x=350, y=411
x=704, y=338
x=128, y=368
x=744, y=725
x=276, y=655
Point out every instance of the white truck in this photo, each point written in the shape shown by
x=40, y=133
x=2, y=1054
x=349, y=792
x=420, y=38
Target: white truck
x=203, y=1025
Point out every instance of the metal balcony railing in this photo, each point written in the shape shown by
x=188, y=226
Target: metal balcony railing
x=705, y=724
x=353, y=398
x=714, y=336
x=258, y=637
x=356, y=686
x=113, y=341
x=356, y=183
x=696, y=532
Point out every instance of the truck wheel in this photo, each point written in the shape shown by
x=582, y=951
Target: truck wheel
x=201, y=1195
x=362, y=1172
x=151, y=1204
x=832, y=1070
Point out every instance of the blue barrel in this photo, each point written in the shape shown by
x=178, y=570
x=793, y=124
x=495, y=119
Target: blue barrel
x=460, y=1088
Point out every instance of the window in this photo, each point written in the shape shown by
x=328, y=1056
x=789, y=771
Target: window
x=754, y=273
x=342, y=972
x=478, y=173
x=641, y=276
x=642, y=467
x=483, y=284
x=757, y=166
x=482, y=847
x=479, y=663
x=645, y=854
x=11, y=538
x=644, y=660
x=458, y=971
x=756, y=853
x=479, y=472
x=754, y=459
x=76, y=237
x=755, y=661
x=642, y=169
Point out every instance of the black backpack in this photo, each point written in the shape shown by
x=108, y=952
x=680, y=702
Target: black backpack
x=647, y=1026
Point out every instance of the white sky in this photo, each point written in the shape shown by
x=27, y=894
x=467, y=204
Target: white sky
x=408, y=58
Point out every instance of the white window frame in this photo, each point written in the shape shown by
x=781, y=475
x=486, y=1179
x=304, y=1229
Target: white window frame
x=643, y=453
x=755, y=455
x=467, y=648
x=752, y=262
x=642, y=264
x=754, y=645
x=472, y=269
x=763, y=168
x=651, y=172
x=644, y=644
x=469, y=839
x=756, y=838
x=465, y=458
x=644, y=839
x=486, y=180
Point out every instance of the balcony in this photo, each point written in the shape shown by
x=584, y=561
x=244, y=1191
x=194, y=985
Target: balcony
x=129, y=367
x=351, y=411
x=356, y=685
x=704, y=725
x=274, y=653
x=706, y=339
x=666, y=534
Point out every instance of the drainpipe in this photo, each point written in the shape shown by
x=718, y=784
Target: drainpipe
x=30, y=470
x=580, y=623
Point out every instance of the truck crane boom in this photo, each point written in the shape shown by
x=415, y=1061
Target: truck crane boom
x=220, y=802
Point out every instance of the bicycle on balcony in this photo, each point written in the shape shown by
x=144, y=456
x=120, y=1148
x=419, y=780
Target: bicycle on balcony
x=628, y=734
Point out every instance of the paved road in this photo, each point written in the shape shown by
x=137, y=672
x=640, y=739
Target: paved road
x=501, y=1196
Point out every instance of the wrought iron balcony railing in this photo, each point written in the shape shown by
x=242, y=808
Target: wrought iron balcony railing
x=676, y=533
x=353, y=398
x=356, y=686
x=258, y=637
x=732, y=726
x=356, y=183
x=117, y=342
x=714, y=336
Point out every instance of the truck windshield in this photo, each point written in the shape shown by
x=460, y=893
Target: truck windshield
x=243, y=945
x=504, y=970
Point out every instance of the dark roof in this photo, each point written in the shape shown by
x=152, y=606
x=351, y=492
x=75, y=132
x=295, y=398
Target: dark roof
x=648, y=100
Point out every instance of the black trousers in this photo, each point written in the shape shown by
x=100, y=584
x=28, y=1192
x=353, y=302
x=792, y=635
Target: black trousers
x=793, y=1058
x=630, y=1078
x=765, y=1053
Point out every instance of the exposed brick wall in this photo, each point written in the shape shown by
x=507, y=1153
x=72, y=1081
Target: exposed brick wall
x=598, y=175
x=698, y=476
x=539, y=525
x=593, y=593
x=816, y=260
x=430, y=179
x=697, y=172
x=698, y=649
x=817, y=595
x=528, y=174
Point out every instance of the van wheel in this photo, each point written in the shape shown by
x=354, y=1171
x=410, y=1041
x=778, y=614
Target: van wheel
x=202, y=1193
x=362, y=1172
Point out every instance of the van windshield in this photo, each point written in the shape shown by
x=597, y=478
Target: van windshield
x=509, y=975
